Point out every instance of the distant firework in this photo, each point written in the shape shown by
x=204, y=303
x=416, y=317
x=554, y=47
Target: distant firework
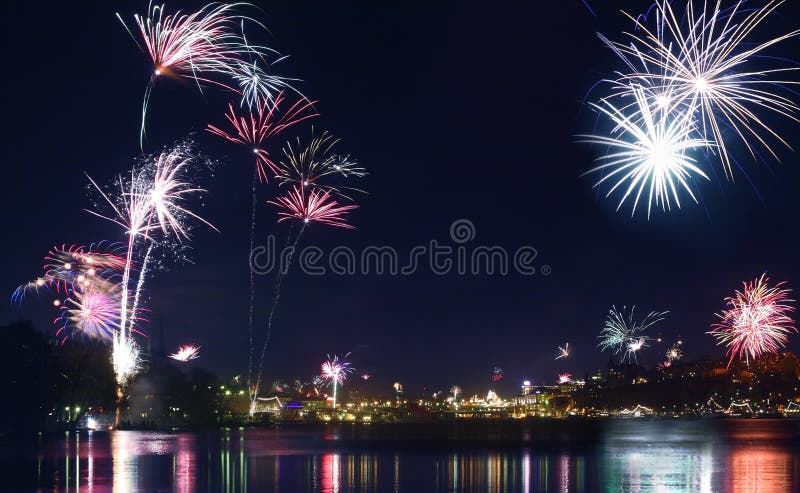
x=564, y=378
x=497, y=374
x=335, y=371
x=756, y=320
x=563, y=352
x=186, y=353
x=623, y=334
x=634, y=346
x=674, y=353
x=366, y=376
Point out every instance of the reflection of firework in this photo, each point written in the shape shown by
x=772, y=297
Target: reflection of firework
x=186, y=353
x=563, y=352
x=757, y=320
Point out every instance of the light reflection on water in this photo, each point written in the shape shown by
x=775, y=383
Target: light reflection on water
x=629, y=456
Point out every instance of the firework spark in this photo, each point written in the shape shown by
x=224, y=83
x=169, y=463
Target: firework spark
x=149, y=201
x=636, y=345
x=706, y=63
x=563, y=352
x=255, y=84
x=312, y=206
x=674, y=353
x=564, y=378
x=186, y=353
x=199, y=46
x=756, y=320
x=126, y=358
x=335, y=371
x=91, y=310
x=649, y=152
x=306, y=166
x=256, y=128
x=71, y=267
x=622, y=333
x=497, y=374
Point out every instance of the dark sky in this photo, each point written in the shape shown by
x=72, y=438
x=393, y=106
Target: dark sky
x=458, y=111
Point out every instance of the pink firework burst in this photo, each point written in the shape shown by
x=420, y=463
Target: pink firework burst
x=335, y=370
x=312, y=205
x=565, y=378
x=186, y=353
x=183, y=44
x=92, y=311
x=255, y=128
x=756, y=320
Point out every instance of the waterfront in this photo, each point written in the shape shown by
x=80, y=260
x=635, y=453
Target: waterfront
x=538, y=455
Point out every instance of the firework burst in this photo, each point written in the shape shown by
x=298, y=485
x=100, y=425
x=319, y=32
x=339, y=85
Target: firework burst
x=255, y=84
x=150, y=205
x=648, y=152
x=312, y=206
x=756, y=320
x=91, y=310
x=186, y=353
x=563, y=352
x=126, y=358
x=623, y=333
x=564, y=378
x=674, y=353
x=335, y=371
x=256, y=128
x=198, y=46
x=307, y=166
x=707, y=63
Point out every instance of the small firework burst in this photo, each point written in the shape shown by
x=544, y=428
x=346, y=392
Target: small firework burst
x=186, y=353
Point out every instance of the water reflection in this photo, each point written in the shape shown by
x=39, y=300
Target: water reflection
x=631, y=456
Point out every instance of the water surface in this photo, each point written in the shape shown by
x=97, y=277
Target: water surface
x=544, y=456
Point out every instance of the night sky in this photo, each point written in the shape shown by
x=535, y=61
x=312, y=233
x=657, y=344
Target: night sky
x=458, y=112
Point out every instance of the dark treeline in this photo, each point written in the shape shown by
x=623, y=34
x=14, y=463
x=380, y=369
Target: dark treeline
x=46, y=385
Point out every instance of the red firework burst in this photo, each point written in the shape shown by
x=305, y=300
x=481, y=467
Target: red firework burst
x=255, y=128
x=757, y=320
x=312, y=205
